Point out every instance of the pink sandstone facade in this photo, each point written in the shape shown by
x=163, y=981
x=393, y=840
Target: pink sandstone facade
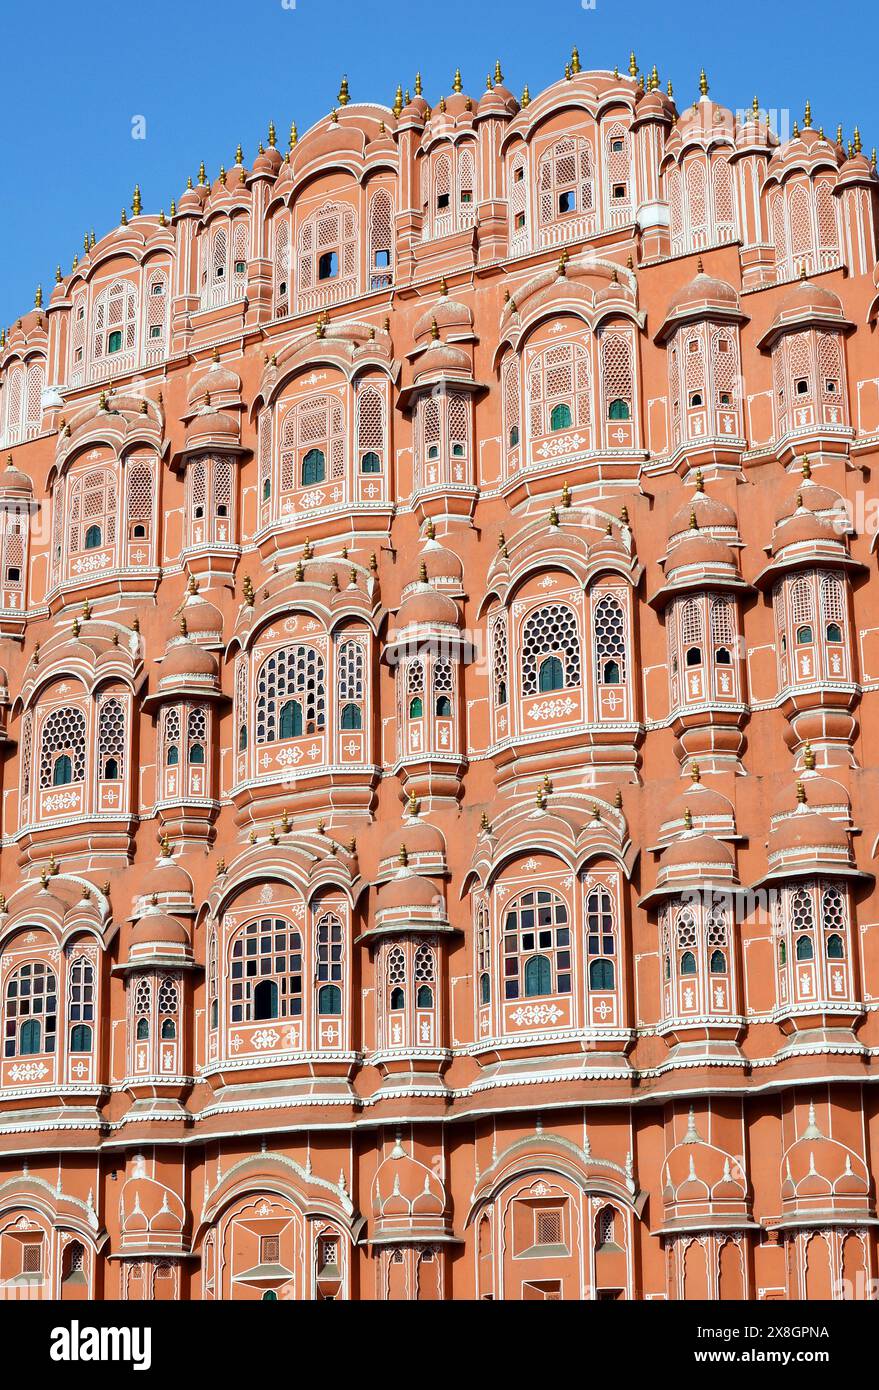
x=440, y=718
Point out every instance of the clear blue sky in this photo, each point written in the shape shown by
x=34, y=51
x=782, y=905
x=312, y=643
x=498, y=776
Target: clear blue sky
x=208, y=73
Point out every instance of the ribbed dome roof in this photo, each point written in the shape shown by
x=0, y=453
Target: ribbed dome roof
x=407, y=889
x=160, y=928
x=424, y=604
x=703, y=851
x=185, y=658
x=710, y=513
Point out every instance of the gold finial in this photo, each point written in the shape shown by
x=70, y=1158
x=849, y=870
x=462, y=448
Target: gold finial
x=856, y=142
x=567, y=72
x=434, y=330
x=575, y=61
x=553, y=517
x=803, y=271
x=801, y=794
x=703, y=84
x=272, y=135
x=633, y=64
x=75, y=627
x=251, y=839
x=807, y=467
x=562, y=268
x=809, y=758
x=596, y=812
x=526, y=96
x=163, y=221
x=498, y=75
x=796, y=130
x=86, y=609
x=422, y=573
x=695, y=771
x=294, y=135
x=443, y=286
x=624, y=515
x=273, y=835
x=202, y=176
x=319, y=330
x=398, y=100
x=344, y=95
x=413, y=804
x=807, y=116
x=418, y=87
x=123, y=220
x=688, y=818
x=184, y=629
x=373, y=563
x=671, y=91
x=221, y=867
x=403, y=857
x=755, y=107
x=566, y=494
x=839, y=134
x=299, y=572
x=334, y=581
x=654, y=78
x=136, y=205
x=540, y=799
x=618, y=799
x=57, y=275
x=44, y=879
x=694, y=525
x=457, y=84
x=700, y=481
x=700, y=269
x=484, y=822
x=239, y=154
x=247, y=589
x=38, y=297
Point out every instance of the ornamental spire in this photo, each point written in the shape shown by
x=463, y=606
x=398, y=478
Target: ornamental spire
x=703, y=84
x=457, y=84
x=344, y=95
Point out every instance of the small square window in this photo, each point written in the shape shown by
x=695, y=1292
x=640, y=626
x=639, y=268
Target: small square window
x=831, y=387
x=619, y=190
x=802, y=386
x=520, y=221
x=616, y=146
x=240, y=267
x=382, y=259
x=568, y=201
x=219, y=271
x=442, y=201
x=156, y=331
x=157, y=287
x=466, y=195
x=519, y=175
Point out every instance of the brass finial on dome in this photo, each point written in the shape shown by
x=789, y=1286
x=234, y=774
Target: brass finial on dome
x=135, y=624
x=502, y=543
x=567, y=72
x=799, y=501
x=184, y=629
x=86, y=609
x=102, y=401
x=654, y=79
x=498, y=75
x=403, y=857
x=553, y=517
x=694, y=524
x=618, y=799
x=272, y=135
x=807, y=116
x=562, y=268
x=695, y=771
x=703, y=84
x=540, y=799
x=671, y=91
x=123, y=220
x=801, y=794
x=624, y=515
x=247, y=590
x=398, y=100
x=273, y=835
x=633, y=64
x=700, y=481
x=38, y=297
x=202, y=175
x=344, y=95
x=596, y=812
x=434, y=329
x=806, y=466
x=484, y=822
x=443, y=286
x=44, y=879
x=221, y=868
x=422, y=573
x=755, y=107
x=165, y=847
x=373, y=563
x=688, y=818
x=809, y=758
x=566, y=494
x=457, y=84
x=856, y=141
x=430, y=530
x=700, y=268
x=575, y=60
x=57, y=275
x=334, y=581
x=136, y=204
x=412, y=805
x=796, y=130
x=418, y=86
x=526, y=96
x=75, y=627
x=251, y=839
x=299, y=572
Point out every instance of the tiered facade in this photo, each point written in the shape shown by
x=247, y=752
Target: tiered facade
x=439, y=784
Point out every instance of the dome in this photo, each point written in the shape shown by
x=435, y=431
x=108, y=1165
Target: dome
x=806, y=303
x=703, y=297
x=425, y=605
x=166, y=879
x=812, y=497
x=447, y=314
x=420, y=838
x=204, y=622
x=441, y=359
x=213, y=425
x=701, y=550
x=822, y=795
x=808, y=829
x=804, y=529
x=184, y=659
x=407, y=889
x=710, y=513
x=158, y=928
x=15, y=484
x=700, y=804
x=700, y=852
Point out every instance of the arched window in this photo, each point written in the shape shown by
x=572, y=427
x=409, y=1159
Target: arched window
x=290, y=672
x=93, y=538
x=550, y=631
x=312, y=443
x=560, y=417
x=81, y=1003
x=396, y=978
x=565, y=181
x=425, y=976
x=537, y=929
x=111, y=739
x=559, y=387
x=609, y=628
x=142, y=1031
x=81, y=1038
x=416, y=707
x=329, y=950
x=718, y=963
x=600, y=938
x=370, y=462
x=805, y=949
x=618, y=410
x=327, y=250
x=551, y=675
x=601, y=974
x=62, y=742
x=351, y=717
x=688, y=963
x=90, y=510
x=266, y=953
x=31, y=1010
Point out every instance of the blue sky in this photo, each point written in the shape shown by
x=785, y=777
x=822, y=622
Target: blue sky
x=205, y=74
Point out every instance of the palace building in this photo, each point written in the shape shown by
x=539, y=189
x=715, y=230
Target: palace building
x=439, y=788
